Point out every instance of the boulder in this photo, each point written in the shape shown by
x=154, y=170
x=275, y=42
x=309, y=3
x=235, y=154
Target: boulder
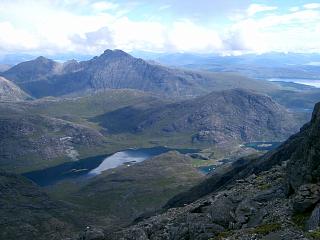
x=307, y=196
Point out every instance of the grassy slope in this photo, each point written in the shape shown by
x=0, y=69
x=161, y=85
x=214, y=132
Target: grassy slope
x=125, y=193
x=28, y=213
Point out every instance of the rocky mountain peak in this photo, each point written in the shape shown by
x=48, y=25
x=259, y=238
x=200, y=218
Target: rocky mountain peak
x=112, y=54
x=43, y=60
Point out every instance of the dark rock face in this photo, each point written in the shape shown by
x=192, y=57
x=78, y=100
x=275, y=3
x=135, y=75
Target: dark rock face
x=28, y=213
x=304, y=164
x=306, y=197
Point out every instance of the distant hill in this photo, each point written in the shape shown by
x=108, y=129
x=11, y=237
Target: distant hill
x=267, y=65
x=11, y=92
x=218, y=118
x=117, y=70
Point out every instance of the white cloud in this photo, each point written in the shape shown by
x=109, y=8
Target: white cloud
x=312, y=6
x=50, y=27
x=131, y=35
x=257, y=8
x=103, y=6
x=12, y=38
x=276, y=32
x=164, y=7
x=187, y=36
x=294, y=9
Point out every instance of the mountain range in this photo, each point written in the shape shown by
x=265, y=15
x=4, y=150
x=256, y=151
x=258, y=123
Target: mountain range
x=266, y=65
x=117, y=69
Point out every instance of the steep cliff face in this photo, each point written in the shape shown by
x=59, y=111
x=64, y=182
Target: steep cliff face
x=304, y=164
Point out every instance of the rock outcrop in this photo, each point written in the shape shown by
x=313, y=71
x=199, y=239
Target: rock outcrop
x=10, y=92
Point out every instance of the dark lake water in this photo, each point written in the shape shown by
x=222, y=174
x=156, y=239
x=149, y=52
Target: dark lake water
x=207, y=169
x=92, y=166
x=263, y=146
x=260, y=146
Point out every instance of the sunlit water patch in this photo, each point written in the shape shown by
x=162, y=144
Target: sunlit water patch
x=308, y=82
x=93, y=166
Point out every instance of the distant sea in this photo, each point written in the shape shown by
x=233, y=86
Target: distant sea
x=309, y=82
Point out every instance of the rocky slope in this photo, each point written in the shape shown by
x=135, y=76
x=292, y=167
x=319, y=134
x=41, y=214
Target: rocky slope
x=275, y=196
x=117, y=69
x=30, y=140
x=28, y=213
x=222, y=118
x=11, y=92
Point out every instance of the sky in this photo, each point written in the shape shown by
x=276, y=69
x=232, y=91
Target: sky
x=199, y=26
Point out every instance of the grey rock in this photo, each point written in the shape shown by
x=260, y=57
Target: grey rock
x=314, y=220
x=92, y=234
x=221, y=211
x=307, y=196
x=11, y=92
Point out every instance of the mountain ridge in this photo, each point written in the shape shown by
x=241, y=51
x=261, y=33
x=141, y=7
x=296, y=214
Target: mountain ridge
x=222, y=117
x=117, y=69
